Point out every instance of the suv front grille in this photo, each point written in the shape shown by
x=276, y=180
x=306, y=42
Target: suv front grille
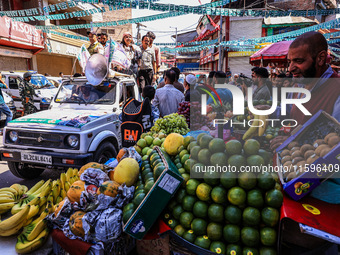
x=40, y=139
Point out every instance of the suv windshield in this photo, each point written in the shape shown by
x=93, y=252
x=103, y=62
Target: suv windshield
x=83, y=93
x=41, y=81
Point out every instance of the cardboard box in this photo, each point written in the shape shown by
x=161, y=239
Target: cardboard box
x=155, y=200
x=316, y=128
x=159, y=246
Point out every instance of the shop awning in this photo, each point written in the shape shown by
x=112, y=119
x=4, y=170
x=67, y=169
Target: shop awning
x=20, y=35
x=274, y=53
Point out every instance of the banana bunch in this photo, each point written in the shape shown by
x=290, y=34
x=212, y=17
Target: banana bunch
x=13, y=224
x=257, y=128
x=10, y=195
x=35, y=234
x=33, y=196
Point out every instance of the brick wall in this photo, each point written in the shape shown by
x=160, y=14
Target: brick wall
x=293, y=5
x=117, y=15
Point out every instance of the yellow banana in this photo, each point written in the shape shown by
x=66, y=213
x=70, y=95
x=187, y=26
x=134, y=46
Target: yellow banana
x=42, y=188
x=263, y=128
x=27, y=222
x=69, y=174
x=67, y=186
x=75, y=172
x=62, y=193
x=12, y=231
x=38, y=228
x=55, y=192
x=6, y=199
x=19, y=190
x=63, y=180
x=35, y=187
x=50, y=198
x=9, y=189
x=7, y=193
x=59, y=199
x=42, y=201
x=15, y=220
x=24, y=188
x=34, y=209
x=252, y=130
x=46, y=191
x=5, y=207
x=25, y=246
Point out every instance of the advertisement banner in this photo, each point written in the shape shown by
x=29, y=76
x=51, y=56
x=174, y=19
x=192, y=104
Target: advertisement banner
x=20, y=31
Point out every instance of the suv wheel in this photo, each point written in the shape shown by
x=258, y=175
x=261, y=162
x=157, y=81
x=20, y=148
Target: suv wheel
x=23, y=171
x=104, y=152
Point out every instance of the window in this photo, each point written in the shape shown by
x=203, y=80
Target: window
x=13, y=82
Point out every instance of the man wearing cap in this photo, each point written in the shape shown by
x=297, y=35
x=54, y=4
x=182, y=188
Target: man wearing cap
x=95, y=46
x=190, y=80
x=27, y=93
x=152, y=37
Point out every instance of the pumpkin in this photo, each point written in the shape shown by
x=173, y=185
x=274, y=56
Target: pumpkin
x=121, y=154
x=109, y=188
x=76, y=223
x=75, y=191
x=58, y=208
x=90, y=165
x=111, y=174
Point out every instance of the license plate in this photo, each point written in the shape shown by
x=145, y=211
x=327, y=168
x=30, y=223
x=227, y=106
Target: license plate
x=36, y=158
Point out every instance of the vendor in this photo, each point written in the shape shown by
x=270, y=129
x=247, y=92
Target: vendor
x=307, y=57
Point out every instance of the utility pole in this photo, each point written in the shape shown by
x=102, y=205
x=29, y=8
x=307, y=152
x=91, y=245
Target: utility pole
x=175, y=47
x=138, y=34
x=220, y=48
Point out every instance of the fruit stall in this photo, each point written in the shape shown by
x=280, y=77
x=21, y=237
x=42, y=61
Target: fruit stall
x=163, y=189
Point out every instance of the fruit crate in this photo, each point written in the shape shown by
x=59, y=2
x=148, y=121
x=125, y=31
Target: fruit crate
x=156, y=199
x=317, y=127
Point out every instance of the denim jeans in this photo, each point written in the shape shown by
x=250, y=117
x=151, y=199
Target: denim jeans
x=5, y=109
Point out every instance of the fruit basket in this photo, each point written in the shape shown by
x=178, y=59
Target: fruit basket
x=310, y=155
x=166, y=182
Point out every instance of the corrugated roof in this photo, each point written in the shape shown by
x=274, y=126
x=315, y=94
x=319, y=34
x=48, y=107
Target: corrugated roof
x=286, y=20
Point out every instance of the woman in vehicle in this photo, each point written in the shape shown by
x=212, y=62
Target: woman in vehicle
x=132, y=52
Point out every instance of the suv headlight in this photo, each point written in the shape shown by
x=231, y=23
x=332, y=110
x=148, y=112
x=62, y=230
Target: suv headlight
x=13, y=136
x=73, y=141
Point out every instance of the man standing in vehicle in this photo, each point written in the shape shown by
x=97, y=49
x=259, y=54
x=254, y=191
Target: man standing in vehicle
x=95, y=46
x=27, y=93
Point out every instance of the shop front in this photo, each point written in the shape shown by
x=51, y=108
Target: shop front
x=19, y=42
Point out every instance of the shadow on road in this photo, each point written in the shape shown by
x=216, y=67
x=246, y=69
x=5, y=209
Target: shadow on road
x=7, y=178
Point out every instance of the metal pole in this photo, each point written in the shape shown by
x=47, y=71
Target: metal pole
x=220, y=57
x=176, y=51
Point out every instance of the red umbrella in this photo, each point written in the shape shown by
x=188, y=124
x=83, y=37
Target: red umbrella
x=274, y=53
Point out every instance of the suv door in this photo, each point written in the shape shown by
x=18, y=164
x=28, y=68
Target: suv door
x=13, y=82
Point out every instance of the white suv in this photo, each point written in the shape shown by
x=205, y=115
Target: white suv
x=72, y=132
x=45, y=94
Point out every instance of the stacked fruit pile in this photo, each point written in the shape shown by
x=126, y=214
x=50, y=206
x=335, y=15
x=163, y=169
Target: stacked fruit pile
x=297, y=158
x=147, y=142
x=226, y=212
x=184, y=110
x=126, y=173
x=171, y=123
x=30, y=207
